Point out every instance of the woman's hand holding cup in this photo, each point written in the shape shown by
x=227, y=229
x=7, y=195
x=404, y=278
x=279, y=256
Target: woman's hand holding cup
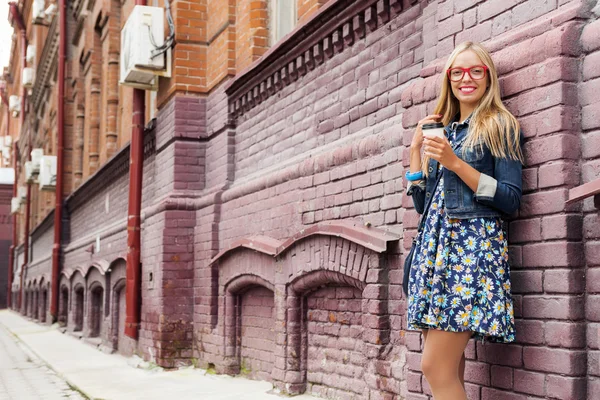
x=417, y=140
x=438, y=148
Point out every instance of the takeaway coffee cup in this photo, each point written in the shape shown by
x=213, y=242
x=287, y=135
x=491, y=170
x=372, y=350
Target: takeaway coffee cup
x=433, y=129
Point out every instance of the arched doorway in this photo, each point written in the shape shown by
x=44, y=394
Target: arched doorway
x=43, y=305
x=36, y=303
x=79, y=307
x=63, y=306
x=256, y=334
x=118, y=316
x=96, y=311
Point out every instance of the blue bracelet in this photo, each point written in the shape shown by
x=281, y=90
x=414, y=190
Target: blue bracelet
x=414, y=176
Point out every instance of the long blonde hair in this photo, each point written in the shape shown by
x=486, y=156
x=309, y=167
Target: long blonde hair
x=491, y=124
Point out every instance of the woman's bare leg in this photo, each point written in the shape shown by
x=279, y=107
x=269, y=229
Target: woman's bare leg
x=461, y=367
x=441, y=363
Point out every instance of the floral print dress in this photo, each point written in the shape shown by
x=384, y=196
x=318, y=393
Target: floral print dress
x=460, y=278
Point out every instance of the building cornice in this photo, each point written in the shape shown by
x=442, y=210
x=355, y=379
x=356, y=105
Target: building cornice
x=336, y=26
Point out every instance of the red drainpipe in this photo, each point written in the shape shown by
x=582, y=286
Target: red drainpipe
x=56, y=249
x=12, y=255
x=136, y=161
x=17, y=18
x=11, y=251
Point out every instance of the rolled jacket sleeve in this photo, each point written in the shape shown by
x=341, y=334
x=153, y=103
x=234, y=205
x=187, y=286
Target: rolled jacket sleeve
x=486, y=187
x=503, y=190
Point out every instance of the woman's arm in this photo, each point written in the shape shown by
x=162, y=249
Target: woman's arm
x=416, y=189
x=502, y=191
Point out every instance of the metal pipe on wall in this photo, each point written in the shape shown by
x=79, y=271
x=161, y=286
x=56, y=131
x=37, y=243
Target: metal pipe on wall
x=56, y=248
x=136, y=161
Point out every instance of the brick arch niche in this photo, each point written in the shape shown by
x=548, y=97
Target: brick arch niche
x=43, y=300
x=117, y=306
x=78, y=302
x=250, y=327
x=327, y=336
x=320, y=298
x=63, y=301
x=35, y=303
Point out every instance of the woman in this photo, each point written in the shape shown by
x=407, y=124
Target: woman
x=459, y=284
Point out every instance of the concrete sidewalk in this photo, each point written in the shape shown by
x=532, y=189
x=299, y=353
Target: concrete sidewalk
x=110, y=377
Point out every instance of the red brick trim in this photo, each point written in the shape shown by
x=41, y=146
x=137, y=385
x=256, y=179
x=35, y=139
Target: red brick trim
x=371, y=238
x=262, y=244
x=94, y=284
x=374, y=239
x=242, y=282
x=315, y=279
x=65, y=283
x=101, y=265
x=81, y=270
x=67, y=273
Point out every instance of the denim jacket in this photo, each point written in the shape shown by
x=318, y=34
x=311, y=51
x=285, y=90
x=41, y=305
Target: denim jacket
x=498, y=192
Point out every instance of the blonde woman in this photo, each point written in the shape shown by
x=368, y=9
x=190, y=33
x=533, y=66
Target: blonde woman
x=463, y=184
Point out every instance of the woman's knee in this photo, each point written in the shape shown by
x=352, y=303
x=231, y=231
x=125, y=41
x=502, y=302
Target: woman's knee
x=437, y=372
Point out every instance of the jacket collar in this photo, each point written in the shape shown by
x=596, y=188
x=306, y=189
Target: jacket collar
x=462, y=128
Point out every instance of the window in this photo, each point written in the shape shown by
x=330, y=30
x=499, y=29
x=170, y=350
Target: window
x=283, y=17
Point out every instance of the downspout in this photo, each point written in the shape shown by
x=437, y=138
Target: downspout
x=12, y=255
x=18, y=19
x=13, y=245
x=136, y=161
x=56, y=249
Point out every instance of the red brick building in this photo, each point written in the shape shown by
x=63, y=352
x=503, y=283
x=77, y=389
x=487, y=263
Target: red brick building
x=274, y=217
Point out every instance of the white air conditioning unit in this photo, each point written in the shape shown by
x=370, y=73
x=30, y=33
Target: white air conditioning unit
x=36, y=160
x=14, y=105
x=30, y=55
x=29, y=178
x=143, y=32
x=15, y=204
x=5, y=148
x=37, y=12
x=22, y=194
x=47, y=177
x=27, y=80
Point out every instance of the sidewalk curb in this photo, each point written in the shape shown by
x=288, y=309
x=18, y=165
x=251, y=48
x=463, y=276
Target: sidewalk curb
x=30, y=350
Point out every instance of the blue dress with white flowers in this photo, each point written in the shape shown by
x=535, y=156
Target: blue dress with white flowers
x=460, y=277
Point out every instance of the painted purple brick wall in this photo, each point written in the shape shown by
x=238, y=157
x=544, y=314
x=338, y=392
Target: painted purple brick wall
x=257, y=333
x=590, y=221
x=335, y=357
x=540, y=87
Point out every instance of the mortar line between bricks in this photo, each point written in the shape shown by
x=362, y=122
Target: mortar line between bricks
x=46, y=363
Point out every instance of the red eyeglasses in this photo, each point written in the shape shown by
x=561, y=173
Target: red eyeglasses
x=476, y=73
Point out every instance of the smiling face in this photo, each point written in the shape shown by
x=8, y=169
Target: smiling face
x=468, y=91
